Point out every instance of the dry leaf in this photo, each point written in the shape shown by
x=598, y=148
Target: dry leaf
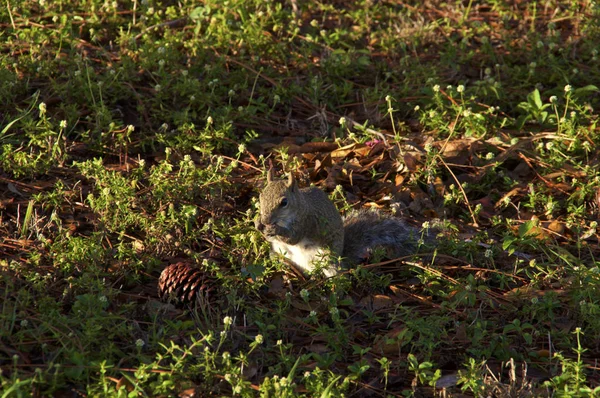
x=124, y=382
x=377, y=302
x=556, y=226
x=388, y=344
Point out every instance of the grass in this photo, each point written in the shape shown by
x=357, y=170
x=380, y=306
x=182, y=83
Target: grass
x=136, y=134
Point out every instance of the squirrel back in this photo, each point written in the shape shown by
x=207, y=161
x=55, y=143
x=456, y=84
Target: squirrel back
x=365, y=230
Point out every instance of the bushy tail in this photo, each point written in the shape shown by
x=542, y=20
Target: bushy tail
x=365, y=230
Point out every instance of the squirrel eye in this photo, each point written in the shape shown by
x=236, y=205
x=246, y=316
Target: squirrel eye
x=284, y=202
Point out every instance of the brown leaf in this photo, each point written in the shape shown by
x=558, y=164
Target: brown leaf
x=377, y=302
x=411, y=162
x=318, y=147
x=342, y=152
x=399, y=180
x=388, y=344
x=556, y=226
x=124, y=382
x=188, y=393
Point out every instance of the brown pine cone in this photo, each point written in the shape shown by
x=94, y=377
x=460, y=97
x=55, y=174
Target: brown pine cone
x=182, y=283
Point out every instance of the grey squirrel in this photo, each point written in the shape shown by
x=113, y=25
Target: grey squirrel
x=304, y=225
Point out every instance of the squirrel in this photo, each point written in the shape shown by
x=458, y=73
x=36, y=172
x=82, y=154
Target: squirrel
x=304, y=225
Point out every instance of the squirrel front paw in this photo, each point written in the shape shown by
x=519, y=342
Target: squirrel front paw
x=259, y=225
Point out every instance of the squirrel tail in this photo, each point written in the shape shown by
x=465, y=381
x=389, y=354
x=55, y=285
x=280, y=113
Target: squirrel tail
x=365, y=230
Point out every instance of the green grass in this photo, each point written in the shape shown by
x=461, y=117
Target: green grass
x=135, y=134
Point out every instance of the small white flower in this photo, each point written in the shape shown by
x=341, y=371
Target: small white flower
x=312, y=314
x=342, y=121
x=237, y=389
x=192, y=98
x=241, y=148
x=489, y=156
x=24, y=323
x=226, y=355
x=467, y=112
x=489, y=253
x=432, y=114
x=103, y=299
x=223, y=334
x=534, y=300
x=227, y=321
x=77, y=73
x=568, y=88
x=304, y=294
x=553, y=99
x=573, y=114
x=428, y=147
x=157, y=87
x=240, y=108
x=279, y=342
x=306, y=374
x=436, y=88
x=540, y=44
x=130, y=128
x=388, y=98
x=449, y=87
x=161, y=50
x=227, y=377
x=139, y=343
x=231, y=93
x=161, y=63
x=334, y=311
x=259, y=339
x=487, y=71
x=417, y=107
x=42, y=108
x=164, y=126
x=460, y=88
x=276, y=98
x=532, y=65
x=184, y=72
x=63, y=124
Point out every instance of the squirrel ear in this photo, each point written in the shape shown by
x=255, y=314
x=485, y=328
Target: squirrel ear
x=292, y=181
x=270, y=175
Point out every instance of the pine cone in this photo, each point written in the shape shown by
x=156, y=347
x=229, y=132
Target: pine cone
x=181, y=283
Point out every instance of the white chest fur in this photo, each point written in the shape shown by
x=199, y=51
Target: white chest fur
x=305, y=254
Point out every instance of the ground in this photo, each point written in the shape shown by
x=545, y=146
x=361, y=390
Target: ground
x=137, y=135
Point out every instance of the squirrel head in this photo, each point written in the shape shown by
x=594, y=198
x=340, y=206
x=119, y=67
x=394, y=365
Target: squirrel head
x=280, y=201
